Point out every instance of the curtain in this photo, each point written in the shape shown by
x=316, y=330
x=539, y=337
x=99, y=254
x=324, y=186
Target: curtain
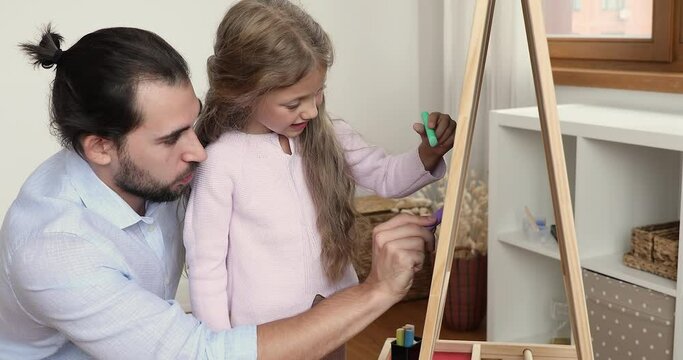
x=507, y=78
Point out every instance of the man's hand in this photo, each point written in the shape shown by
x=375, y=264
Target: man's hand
x=398, y=252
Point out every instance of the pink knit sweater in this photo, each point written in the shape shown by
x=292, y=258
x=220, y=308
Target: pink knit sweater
x=253, y=250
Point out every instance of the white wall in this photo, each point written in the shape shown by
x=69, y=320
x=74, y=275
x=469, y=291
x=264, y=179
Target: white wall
x=25, y=140
x=383, y=77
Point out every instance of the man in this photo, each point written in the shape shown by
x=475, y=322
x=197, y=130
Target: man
x=90, y=251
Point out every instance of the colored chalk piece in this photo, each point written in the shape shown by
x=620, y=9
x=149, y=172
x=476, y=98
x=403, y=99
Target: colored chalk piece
x=438, y=215
x=431, y=135
x=409, y=337
x=400, y=337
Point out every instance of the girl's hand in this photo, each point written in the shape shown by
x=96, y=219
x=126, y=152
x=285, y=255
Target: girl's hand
x=444, y=127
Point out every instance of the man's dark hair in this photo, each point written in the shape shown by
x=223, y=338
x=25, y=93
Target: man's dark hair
x=96, y=80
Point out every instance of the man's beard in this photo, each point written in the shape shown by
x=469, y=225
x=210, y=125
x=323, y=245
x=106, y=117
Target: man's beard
x=140, y=182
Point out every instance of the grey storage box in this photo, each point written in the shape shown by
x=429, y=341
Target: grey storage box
x=628, y=321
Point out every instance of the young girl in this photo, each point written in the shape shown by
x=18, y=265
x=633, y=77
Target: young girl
x=270, y=221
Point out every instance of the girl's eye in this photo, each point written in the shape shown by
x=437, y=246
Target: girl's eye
x=292, y=106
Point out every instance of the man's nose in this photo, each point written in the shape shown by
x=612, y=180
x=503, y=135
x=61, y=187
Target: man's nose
x=195, y=151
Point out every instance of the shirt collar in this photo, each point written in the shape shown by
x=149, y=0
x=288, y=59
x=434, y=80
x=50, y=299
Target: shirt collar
x=97, y=196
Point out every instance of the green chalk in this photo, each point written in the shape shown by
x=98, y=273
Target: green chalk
x=431, y=135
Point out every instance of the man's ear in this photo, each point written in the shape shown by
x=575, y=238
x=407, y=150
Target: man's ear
x=98, y=150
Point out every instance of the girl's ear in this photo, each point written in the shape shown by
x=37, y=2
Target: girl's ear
x=98, y=150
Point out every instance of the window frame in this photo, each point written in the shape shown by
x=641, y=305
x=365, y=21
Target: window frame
x=636, y=64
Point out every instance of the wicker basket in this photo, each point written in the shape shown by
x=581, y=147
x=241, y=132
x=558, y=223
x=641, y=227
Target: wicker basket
x=666, y=247
x=375, y=210
x=642, y=238
x=662, y=270
x=655, y=249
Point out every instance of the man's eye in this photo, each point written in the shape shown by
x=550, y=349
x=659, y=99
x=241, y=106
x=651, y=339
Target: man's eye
x=171, y=141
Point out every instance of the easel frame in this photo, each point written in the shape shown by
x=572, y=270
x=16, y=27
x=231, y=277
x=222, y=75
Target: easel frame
x=559, y=188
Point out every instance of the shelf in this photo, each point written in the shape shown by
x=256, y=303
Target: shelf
x=613, y=266
x=548, y=248
x=610, y=265
x=661, y=130
x=624, y=169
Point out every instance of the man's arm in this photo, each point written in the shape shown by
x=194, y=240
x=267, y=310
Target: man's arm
x=76, y=288
x=398, y=252
x=83, y=290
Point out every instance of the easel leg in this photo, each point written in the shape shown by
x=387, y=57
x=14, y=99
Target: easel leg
x=469, y=101
x=476, y=352
x=557, y=172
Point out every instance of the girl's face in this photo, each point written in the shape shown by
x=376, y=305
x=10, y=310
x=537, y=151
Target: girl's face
x=286, y=111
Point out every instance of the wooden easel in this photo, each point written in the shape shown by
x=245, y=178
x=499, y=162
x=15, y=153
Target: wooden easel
x=559, y=187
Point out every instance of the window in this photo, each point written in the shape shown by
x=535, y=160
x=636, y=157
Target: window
x=613, y=4
x=629, y=44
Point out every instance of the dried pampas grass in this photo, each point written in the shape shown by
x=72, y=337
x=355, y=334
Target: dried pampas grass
x=473, y=224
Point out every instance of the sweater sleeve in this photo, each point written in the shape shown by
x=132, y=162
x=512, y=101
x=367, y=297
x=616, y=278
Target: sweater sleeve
x=388, y=175
x=206, y=238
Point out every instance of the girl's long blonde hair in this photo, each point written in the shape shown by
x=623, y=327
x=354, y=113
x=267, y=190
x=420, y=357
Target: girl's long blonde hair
x=262, y=45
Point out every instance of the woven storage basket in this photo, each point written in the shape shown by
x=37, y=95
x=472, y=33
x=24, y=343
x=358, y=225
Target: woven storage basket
x=655, y=249
x=642, y=238
x=375, y=210
x=662, y=270
x=666, y=247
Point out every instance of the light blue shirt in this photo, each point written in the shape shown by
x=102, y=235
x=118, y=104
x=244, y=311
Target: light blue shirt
x=83, y=275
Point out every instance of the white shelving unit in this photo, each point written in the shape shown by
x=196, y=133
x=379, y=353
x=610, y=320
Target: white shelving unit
x=625, y=170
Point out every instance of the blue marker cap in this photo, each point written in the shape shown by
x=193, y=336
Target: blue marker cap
x=431, y=135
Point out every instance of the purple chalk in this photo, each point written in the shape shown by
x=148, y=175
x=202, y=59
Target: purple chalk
x=438, y=214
